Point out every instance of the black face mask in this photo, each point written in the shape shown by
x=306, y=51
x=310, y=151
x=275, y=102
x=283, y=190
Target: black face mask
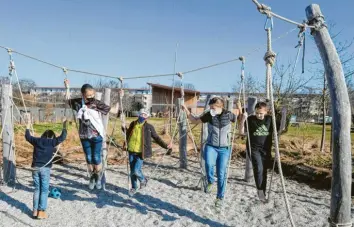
x=90, y=99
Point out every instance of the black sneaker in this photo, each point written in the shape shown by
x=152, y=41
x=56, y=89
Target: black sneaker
x=261, y=196
x=99, y=180
x=92, y=181
x=144, y=183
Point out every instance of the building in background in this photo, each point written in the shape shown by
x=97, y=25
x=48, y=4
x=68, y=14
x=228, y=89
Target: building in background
x=162, y=97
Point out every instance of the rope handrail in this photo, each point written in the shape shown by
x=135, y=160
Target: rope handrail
x=264, y=9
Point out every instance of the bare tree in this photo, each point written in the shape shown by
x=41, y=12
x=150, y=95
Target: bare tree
x=252, y=86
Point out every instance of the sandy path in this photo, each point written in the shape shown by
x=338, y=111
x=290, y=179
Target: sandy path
x=171, y=199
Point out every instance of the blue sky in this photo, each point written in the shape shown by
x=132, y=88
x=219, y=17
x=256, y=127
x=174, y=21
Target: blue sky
x=138, y=37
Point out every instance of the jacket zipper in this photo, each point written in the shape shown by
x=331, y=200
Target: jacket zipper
x=142, y=145
x=219, y=131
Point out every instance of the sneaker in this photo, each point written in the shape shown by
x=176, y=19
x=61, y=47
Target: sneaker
x=42, y=215
x=219, y=203
x=132, y=192
x=92, y=181
x=261, y=196
x=208, y=188
x=99, y=180
x=35, y=213
x=144, y=183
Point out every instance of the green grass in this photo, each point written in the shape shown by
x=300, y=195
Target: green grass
x=309, y=130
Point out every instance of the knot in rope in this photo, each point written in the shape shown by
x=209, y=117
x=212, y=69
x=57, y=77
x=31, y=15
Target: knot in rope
x=121, y=80
x=65, y=70
x=317, y=24
x=264, y=9
x=9, y=50
x=180, y=75
x=269, y=57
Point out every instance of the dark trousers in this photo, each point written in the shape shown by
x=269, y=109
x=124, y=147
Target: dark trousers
x=260, y=160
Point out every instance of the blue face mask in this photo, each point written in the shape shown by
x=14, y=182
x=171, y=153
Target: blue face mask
x=141, y=119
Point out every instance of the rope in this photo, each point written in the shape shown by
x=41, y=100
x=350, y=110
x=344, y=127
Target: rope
x=13, y=69
x=173, y=136
x=299, y=46
x=264, y=9
x=235, y=128
x=173, y=87
x=270, y=59
x=144, y=76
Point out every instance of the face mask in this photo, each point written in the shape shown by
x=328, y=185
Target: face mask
x=90, y=99
x=214, y=112
x=141, y=119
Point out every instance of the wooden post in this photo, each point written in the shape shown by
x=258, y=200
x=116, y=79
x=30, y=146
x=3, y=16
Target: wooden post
x=251, y=104
x=9, y=159
x=183, y=136
x=230, y=104
x=323, y=140
x=204, y=137
x=283, y=120
x=105, y=120
x=340, y=212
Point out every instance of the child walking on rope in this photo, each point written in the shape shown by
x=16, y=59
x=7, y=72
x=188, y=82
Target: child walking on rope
x=43, y=150
x=260, y=138
x=218, y=145
x=139, y=136
x=91, y=131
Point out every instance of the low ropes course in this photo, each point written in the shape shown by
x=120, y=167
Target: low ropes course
x=269, y=58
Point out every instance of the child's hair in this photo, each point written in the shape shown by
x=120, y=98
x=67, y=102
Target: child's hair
x=49, y=134
x=86, y=87
x=217, y=100
x=261, y=105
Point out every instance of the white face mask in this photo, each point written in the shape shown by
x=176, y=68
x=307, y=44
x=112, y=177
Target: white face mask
x=214, y=112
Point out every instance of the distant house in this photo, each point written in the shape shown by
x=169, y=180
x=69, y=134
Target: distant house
x=162, y=96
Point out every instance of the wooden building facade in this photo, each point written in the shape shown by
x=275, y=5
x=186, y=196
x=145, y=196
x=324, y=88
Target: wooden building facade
x=162, y=96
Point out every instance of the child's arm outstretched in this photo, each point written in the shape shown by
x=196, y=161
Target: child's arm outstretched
x=158, y=140
x=29, y=138
x=62, y=137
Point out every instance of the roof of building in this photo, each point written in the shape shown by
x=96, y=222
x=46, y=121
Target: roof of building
x=189, y=91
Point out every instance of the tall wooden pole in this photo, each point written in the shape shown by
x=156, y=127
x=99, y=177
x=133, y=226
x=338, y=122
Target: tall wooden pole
x=340, y=212
x=105, y=120
x=251, y=104
x=9, y=159
x=183, y=136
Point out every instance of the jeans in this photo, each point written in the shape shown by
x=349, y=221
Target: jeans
x=218, y=156
x=260, y=161
x=136, y=163
x=92, y=148
x=41, y=180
